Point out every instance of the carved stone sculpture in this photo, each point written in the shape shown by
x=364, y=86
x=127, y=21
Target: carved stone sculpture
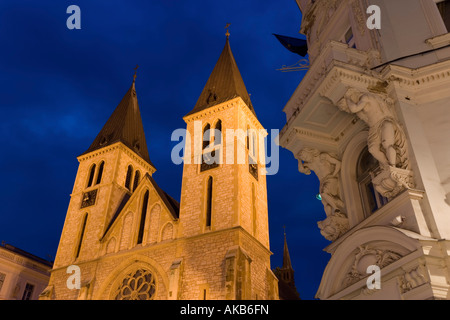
x=412, y=279
x=334, y=226
x=327, y=169
x=386, y=140
x=368, y=256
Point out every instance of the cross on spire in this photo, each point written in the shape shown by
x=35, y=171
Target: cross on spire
x=135, y=71
x=226, y=27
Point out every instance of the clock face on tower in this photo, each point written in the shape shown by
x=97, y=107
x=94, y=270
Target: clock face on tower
x=88, y=198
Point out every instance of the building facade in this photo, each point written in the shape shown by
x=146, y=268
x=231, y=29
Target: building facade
x=371, y=120
x=130, y=240
x=23, y=276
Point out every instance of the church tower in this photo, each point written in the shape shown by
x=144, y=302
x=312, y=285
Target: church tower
x=109, y=171
x=224, y=194
x=124, y=238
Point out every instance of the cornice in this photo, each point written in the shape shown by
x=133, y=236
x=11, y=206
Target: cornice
x=414, y=78
x=118, y=146
x=224, y=106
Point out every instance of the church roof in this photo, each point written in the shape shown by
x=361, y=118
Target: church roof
x=224, y=83
x=124, y=125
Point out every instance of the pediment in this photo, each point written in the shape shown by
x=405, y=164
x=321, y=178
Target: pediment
x=380, y=246
x=131, y=205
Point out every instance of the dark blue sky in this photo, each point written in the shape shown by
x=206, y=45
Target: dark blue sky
x=59, y=86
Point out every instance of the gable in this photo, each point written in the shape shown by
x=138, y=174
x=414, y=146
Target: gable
x=161, y=210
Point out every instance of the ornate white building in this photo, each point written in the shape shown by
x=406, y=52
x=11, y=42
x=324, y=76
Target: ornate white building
x=371, y=119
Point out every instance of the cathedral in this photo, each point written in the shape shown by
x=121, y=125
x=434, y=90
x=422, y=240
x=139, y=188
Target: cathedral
x=130, y=240
x=370, y=119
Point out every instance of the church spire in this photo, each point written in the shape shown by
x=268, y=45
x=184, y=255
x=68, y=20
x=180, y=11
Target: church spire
x=224, y=83
x=124, y=125
x=286, y=257
x=285, y=274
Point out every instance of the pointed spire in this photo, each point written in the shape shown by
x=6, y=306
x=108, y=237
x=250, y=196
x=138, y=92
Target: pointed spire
x=224, y=83
x=286, y=257
x=124, y=125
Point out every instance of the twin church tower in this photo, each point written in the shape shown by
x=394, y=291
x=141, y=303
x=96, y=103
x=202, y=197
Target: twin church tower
x=128, y=239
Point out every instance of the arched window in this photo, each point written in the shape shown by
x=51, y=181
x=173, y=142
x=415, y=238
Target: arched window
x=91, y=176
x=248, y=137
x=371, y=199
x=128, y=178
x=209, y=190
x=137, y=176
x=100, y=172
x=254, y=216
x=143, y=215
x=218, y=133
x=80, y=239
x=206, y=136
x=254, y=144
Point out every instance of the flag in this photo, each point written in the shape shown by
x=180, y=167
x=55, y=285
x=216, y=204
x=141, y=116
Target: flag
x=294, y=45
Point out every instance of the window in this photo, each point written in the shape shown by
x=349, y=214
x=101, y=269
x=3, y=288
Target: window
x=371, y=199
x=137, y=285
x=254, y=216
x=444, y=10
x=137, y=176
x=91, y=176
x=100, y=173
x=28, y=292
x=209, y=190
x=143, y=215
x=209, y=159
x=252, y=153
x=349, y=38
x=206, y=136
x=128, y=178
x=248, y=138
x=254, y=141
x=80, y=240
x=218, y=133
x=2, y=280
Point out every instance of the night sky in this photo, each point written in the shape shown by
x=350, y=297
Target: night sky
x=59, y=86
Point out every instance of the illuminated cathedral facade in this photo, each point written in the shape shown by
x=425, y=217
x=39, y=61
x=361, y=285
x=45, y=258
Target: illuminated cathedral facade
x=131, y=240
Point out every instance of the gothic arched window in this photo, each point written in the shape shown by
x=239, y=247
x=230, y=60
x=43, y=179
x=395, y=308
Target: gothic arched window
x=128, y=178
x=91, y=176
x=81, y=235
x=248, y=138
x=137, y=176
x=209, y=190
x=253, y=146
x=143, y=215
x=371, y=199
x=100, y=172
x=254, y=216
x=218, y=133
x=206, y=136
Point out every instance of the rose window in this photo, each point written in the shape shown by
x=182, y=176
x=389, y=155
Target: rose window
x=137, y=285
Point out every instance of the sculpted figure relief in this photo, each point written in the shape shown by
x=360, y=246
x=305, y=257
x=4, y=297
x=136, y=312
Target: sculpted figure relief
x=386, y=139
x=327, y=169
